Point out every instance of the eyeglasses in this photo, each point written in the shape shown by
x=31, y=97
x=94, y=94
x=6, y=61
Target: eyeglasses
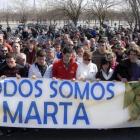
x=119, y=48
x=3, y=50
x=87, y=59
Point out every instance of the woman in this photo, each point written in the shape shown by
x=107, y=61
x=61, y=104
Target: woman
x=86, y=70
x=112, y=58
x=106, y=73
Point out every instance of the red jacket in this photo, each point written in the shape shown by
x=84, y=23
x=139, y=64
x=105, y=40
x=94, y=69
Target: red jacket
x=59, y=70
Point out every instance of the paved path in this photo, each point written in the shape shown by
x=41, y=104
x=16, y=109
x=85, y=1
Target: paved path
x=77, y=134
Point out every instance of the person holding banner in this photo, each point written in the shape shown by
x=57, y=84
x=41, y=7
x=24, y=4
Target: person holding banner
x=99, y=53
x=66, y=67
x=106, y=73
x=129, y=69
x=86, y=70
x=11, y=69
x=3, y=52
x=40, y=69
x=112, y=58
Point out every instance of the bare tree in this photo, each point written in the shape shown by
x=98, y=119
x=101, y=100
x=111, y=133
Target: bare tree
x=55, y=14
x=7, y=13
x=38, y=13
x=72, y=8
x=135, y=6
x=128, y=16
x=111, y=16
x=22, y=10
x=101, y=9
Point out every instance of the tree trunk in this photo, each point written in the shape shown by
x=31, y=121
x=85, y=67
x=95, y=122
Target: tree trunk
x=111, y=22
x=7, y=23
x=75, y=20
x=136, y=23
x=95, y=22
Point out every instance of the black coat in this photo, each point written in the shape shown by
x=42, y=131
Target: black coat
x=124, y=69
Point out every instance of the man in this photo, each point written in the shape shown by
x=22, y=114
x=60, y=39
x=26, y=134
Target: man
x=40, y=69
x=99, y=53
x=129, y=69
x=58, y=40
x=86, y=45
x=3, y=52
x=30, y=51
x=136, y=40
x=58, y=50
x=66, y=67
x=11, y=69
x=21, y=60
x=92, y=45
x=16, y=48
x=48, y=43
x=66, y=38
x=51, y=56
x=25, y=34
x=34, y=32
x=88, y=35
x=80, y=52
x=70, y=44
x=93, y=32
x=4, y=43
x=120, y=53
x=118, y=36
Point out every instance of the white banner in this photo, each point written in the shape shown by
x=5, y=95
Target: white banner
x=46, y=103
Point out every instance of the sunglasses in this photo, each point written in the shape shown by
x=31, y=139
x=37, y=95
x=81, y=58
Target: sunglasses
x=87, y=59
x=119, y=48
x=3, y=50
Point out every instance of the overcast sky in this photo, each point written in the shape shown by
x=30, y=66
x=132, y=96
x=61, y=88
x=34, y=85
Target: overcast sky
x=4, y=2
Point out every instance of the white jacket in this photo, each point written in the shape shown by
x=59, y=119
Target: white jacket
x=86, y=71
x=35, y=71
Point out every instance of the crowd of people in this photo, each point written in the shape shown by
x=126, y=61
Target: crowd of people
x=72, y=54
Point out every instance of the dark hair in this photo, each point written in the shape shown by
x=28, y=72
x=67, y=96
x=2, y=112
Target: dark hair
x=126, y=37
x=67, y=50
x=41, y=53
x=10, y=55
x=104, y=61
x=30, y=39
x=79, y=47
x=102, y=41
